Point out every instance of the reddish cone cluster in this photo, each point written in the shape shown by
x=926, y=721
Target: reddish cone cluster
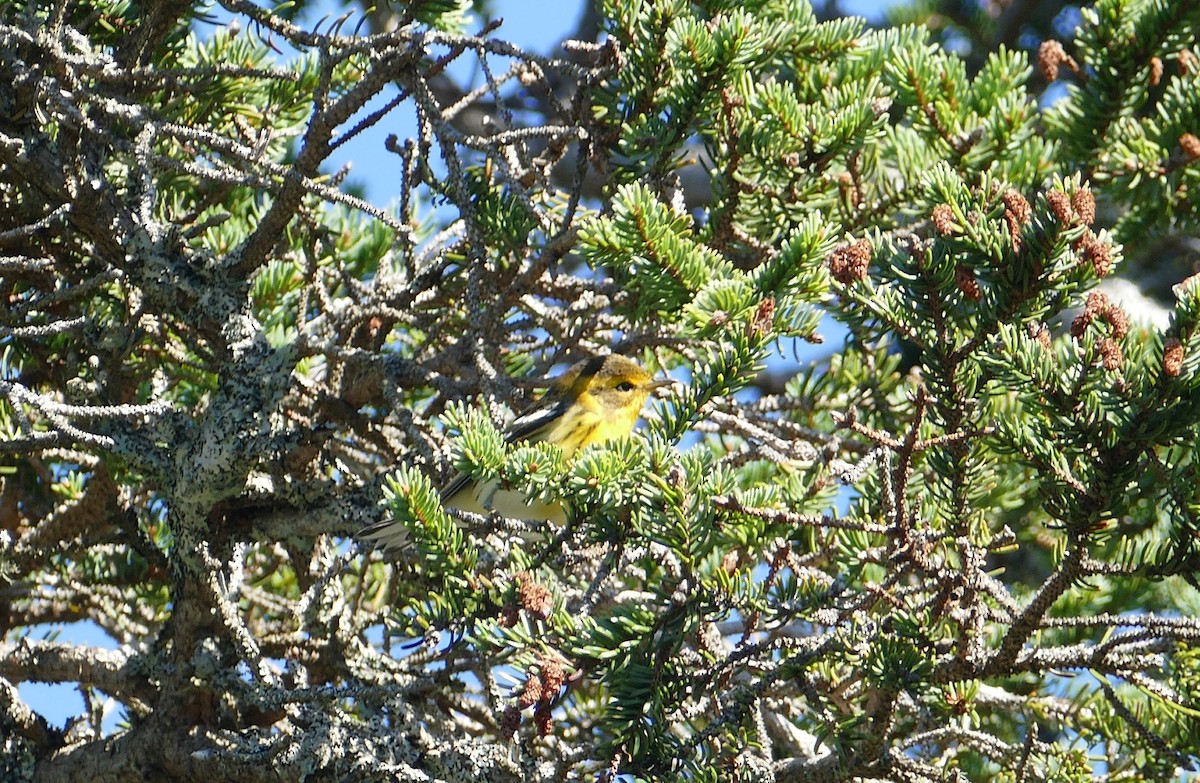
x=1041, y=333
x=541, y=689
x=532, y=692
x=1084, y=204
x=1016, y=214
x=533, y=597
x=1172, y=357
x=1099, y=307
x=943, y=219
x=1187, y=62
x=1060, y=206
x=1079, y=209
x=510, y=721
x=966, y=281
x=1096, y=253
x=848, y=263
x=1111, y=354
x=1190, y=146
x=1050, y=56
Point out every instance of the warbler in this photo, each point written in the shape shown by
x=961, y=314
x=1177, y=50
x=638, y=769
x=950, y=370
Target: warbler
x=596, y=400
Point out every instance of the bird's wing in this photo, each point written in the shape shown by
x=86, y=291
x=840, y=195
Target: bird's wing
x=529, y=425
x=456, y=485
x=525, y=427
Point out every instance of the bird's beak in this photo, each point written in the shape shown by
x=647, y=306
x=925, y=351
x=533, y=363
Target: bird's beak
x=659, y=383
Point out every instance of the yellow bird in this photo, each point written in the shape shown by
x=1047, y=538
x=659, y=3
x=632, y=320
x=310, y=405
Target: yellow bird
x=596, y=400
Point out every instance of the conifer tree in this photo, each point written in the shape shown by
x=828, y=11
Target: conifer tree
x=921, y=505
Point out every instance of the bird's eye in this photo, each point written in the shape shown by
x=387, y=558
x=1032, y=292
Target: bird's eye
x=625, y=386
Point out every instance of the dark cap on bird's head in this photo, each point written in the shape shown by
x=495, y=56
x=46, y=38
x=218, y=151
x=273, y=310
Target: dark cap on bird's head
x=608, y=371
